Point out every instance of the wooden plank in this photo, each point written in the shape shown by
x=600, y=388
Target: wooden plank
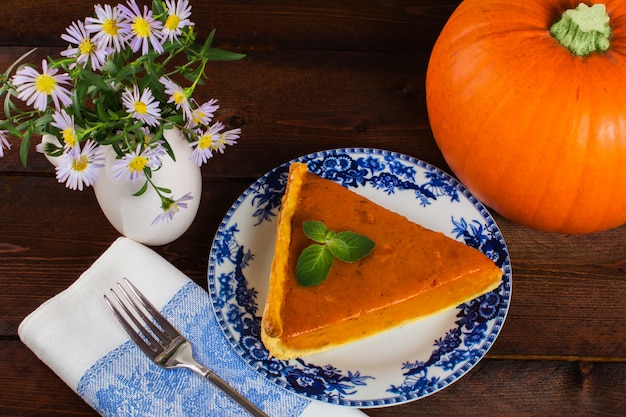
x=493, y=387
x=373, y=25
x=42, y=394
x=566, y=288
x=318, y=75
x=526, y=388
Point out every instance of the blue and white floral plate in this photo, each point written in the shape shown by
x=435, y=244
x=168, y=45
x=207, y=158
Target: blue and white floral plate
x=397, y=366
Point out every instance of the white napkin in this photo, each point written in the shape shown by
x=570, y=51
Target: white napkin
x=76, y=335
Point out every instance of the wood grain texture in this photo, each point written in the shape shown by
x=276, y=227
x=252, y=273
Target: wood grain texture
x=396, y=25
x=320, y=74
x=492, y=388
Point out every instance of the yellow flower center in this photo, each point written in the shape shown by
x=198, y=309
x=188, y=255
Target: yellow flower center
x=80, y=164
x=220, y=141
x=141, y=108
x=87, y=47
x=141, y=27
x=138, y=163
x=69, y=137
x=205, y=142
x=172, y=22
x=179, y=97
x=197, y=116
x=45, y=83
x=110, y=27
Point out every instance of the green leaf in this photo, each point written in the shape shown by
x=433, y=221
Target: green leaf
x=216, y=54
x=43, y=121
x=164, y=190
x=142, y=190
x=350, y=246
x=101, y=110
x=315, y=230
x=112, y=140
x=207, y=43
x=313, y=265
x=339, y=249
x=211, y=53
x=315, y=262
x=157, y=7
x=169, y=150
x=7, y=106
x=12, y=129
x=94, y=80
x=28, y=124
x=17, y=62
x=24, y=146
x=77, y=106
x=110, y=66
x=124, y=73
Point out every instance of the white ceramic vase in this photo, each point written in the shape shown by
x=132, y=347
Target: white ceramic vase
x=133, y=216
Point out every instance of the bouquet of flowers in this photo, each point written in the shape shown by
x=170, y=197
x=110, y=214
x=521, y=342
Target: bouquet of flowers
x=118, y=84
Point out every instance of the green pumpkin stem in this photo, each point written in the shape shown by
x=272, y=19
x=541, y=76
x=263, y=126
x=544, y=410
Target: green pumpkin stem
x=583, y=30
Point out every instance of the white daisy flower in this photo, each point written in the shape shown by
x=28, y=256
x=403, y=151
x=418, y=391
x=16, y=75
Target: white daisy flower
x=143, y=30
x=203, y=115
x=171, y=207
x=86, y=49
x=178, y=13
x=109, y=30
x=78, y=168
x=228, y=138
x=4, y=142
x=34, y=87
x=143, y=107
x=133, y=164
x=65, y=123
x=177, y=96
x=204, y=146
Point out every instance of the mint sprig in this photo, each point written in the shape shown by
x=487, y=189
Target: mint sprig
x=316, y=261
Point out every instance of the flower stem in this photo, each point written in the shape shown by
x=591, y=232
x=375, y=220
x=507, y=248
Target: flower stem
x=165, y=200
x=200, y=74
x=583, y=30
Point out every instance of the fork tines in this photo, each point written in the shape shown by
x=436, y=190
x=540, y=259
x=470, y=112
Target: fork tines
x=152, y=334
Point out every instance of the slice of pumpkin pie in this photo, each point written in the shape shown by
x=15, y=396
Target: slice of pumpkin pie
x=411, y=272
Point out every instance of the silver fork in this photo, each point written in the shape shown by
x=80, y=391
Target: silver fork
x=158, y=339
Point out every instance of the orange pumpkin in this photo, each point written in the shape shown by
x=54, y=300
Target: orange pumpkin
x=534, y=127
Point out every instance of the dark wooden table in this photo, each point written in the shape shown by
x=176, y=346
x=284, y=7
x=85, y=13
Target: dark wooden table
x=319, y=74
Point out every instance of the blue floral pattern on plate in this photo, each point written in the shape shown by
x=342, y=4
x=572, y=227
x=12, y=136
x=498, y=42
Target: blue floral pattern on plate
x=241, y=255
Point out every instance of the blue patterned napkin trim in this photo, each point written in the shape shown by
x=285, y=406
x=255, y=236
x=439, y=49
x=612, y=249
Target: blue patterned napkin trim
x=126, y=383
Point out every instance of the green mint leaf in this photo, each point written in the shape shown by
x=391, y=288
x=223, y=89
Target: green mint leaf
x=316, y=261
x=315, y=230
x=338, y=248
x=352, y=248
x=313, y=265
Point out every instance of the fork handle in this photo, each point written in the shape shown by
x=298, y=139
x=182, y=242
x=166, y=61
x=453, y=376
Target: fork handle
x=231, y=392
x=185, y=359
